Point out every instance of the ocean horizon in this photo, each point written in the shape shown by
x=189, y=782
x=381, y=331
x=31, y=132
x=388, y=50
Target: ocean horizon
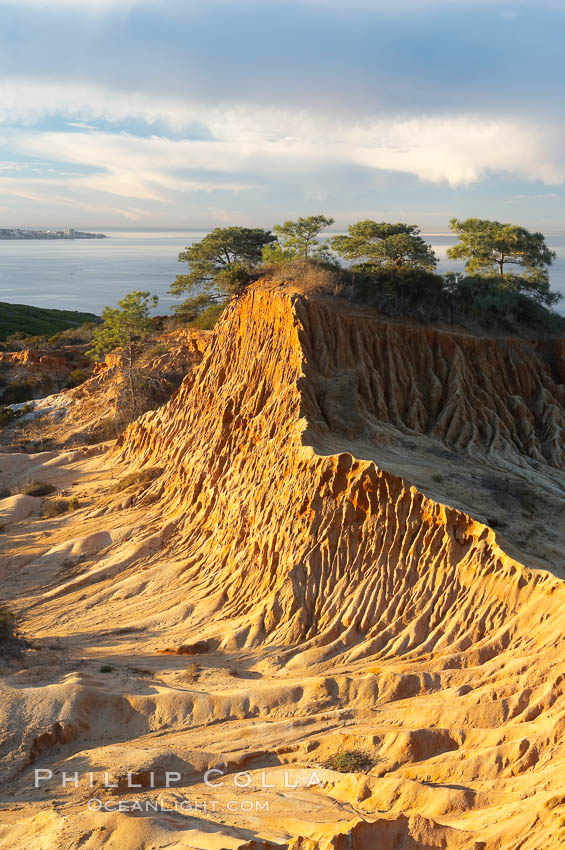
x=87, y=275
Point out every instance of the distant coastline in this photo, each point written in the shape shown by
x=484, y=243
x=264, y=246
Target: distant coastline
x=68, y=233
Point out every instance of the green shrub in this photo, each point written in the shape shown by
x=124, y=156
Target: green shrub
x=350, y=761
x=201, y=311
x=34, y=488
x=106, y=668
x=7, y=624
x=17, y=340
x=7, y=416
x=207, y=319
x=58, y=507
x=482, y=301
x=500, y=303
x=18, y=391
x=73, y=336
x=77, y=377
x=21, y=320
x=403, y=291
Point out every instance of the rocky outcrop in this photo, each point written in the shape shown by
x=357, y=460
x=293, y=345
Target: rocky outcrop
x=318, y=545
x=329, y=558
x=46, y=362
x=333, y=605
x=501, y=397
x=45, y=371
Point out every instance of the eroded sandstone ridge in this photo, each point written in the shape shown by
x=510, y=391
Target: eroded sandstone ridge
x=355, y=533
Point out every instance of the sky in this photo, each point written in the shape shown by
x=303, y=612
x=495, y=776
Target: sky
x=202, y=113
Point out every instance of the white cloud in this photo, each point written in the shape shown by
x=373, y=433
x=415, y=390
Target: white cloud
x=461, y=149
x=248, y=151
x=458, y=149
x=139, y=178
x=27, y=100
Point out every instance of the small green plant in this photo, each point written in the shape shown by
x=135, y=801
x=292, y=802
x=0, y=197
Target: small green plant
x=437, y=478
x=350, y=761
x=74, y=503
x=106, y=668
x=137, y=479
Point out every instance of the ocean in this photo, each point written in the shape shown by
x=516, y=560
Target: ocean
x=88, y=274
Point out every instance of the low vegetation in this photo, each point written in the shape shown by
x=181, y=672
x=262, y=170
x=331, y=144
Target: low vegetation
x=33, y=488
x=11, y=643
x=7, y=623
x=20, y=391
x=7, y=416
x=73, y=336
x=57, y=507
x=141, y=478
x=192, y=672
x=479, y=303
x=350, y=761
x=77, y=377
x=39, y=321
x=207, y=318
x=306, y=276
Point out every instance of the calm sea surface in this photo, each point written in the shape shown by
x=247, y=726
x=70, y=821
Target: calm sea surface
x=88, y=274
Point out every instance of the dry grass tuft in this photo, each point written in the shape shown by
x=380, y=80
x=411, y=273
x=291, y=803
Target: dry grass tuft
x=57, y=507
x=306, y=276
x=33, y=488
x=137, y=479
